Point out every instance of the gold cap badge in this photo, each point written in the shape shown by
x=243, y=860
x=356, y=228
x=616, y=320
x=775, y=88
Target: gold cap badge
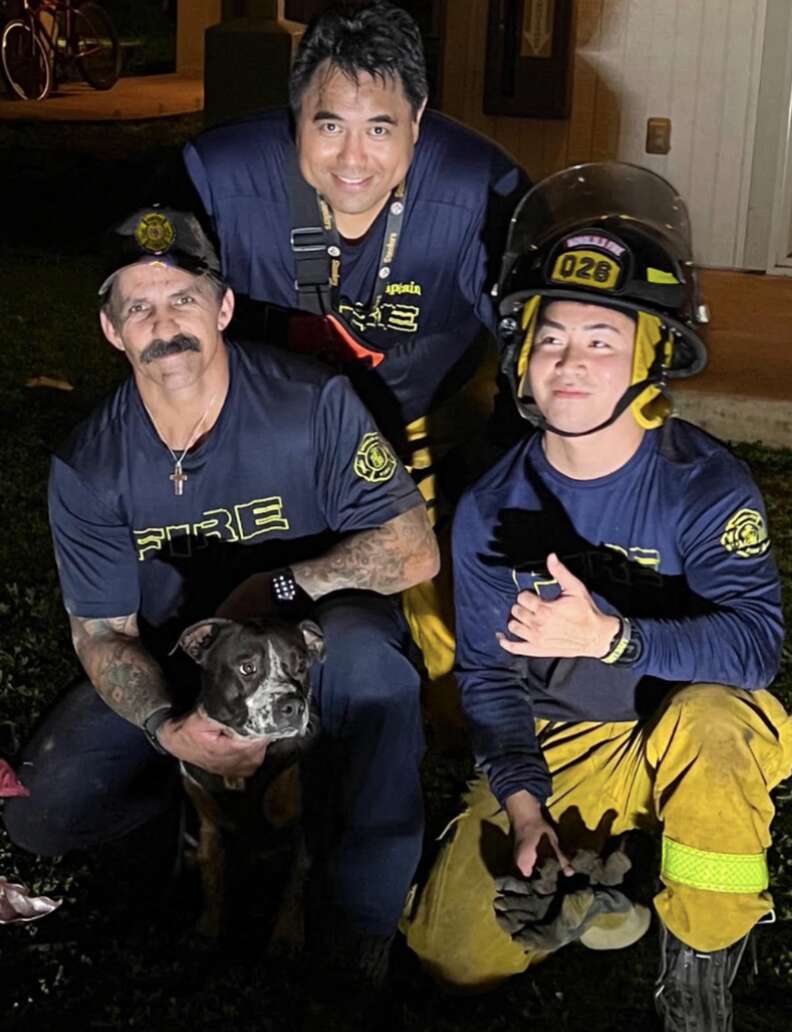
x=155, y=232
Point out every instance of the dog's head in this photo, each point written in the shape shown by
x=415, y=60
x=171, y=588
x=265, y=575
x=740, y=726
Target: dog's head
x=255, y=675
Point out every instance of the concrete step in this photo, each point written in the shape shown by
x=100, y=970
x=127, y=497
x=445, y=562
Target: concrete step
x=132, y=98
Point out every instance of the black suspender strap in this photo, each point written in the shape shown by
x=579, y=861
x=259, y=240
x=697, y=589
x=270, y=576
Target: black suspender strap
x=308, y=239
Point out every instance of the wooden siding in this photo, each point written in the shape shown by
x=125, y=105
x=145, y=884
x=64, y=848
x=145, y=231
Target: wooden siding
x=696, y=62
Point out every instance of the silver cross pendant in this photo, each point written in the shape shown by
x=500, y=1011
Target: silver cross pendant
x=178, y=478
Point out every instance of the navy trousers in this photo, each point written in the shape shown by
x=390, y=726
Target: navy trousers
x=93, y=777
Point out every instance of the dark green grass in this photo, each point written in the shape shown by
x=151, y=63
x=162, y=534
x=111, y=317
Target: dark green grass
x=110, y=960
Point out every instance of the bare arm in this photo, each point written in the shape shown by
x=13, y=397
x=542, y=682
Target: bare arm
x=133, y=685
x=119, y=667
x=388, y=559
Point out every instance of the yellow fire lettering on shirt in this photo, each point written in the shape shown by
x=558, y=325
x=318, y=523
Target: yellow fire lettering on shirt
x=403, y=318
x=149, y=540
x=179, y=541
x=648, y=557
x=355, y=314
x=223, y=524
x=387, y=315
x=261, y=516
x=207, y=529
x=546, y=589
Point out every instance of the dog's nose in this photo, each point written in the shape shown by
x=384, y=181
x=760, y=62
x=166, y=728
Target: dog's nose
x=290, y=709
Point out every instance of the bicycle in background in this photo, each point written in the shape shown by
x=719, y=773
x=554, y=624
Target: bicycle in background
x=50, y=34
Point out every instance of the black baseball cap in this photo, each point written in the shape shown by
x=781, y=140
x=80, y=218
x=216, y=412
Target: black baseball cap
x=157, y=234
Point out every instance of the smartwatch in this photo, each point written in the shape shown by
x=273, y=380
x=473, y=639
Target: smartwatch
x=626, y=646
x=286, y=591
x=633, y=650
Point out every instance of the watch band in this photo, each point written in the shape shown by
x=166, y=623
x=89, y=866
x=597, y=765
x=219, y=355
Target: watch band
x=153, y=723
x=634, y=649
x=619, y=642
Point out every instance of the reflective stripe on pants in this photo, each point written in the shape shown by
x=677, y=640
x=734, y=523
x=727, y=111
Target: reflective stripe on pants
x=702, y=769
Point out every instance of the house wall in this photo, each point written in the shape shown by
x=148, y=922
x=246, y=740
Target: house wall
x=697, y=62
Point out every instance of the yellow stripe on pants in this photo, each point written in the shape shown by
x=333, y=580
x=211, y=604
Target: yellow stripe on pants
x=428, y=607
x=702, y=770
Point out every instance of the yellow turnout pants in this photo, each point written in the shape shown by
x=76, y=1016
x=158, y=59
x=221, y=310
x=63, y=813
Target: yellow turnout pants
x=428, y=607
x=701, y=770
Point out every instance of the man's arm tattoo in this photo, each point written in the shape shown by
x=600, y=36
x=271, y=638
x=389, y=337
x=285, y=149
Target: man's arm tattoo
x=388, y=559
x=122, y=671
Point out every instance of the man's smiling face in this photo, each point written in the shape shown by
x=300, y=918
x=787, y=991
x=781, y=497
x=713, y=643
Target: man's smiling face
x=581, y=364
x=355, y=142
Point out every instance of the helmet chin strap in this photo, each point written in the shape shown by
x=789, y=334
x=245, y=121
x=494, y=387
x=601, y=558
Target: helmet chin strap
x=530, y=411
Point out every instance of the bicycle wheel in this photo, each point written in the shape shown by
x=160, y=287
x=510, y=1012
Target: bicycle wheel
x=96, y=47
x=26, y=64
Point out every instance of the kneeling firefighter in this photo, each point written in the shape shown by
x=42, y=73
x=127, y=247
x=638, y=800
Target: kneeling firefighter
x=618, y=623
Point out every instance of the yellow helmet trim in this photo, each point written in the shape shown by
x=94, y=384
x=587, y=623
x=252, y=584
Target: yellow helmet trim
x=529, y=313
x=651, y=408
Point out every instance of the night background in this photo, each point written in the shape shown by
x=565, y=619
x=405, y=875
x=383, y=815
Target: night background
x=111, y=957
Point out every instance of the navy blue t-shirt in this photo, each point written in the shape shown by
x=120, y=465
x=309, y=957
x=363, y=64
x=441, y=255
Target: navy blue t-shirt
x=293, y=461
x=461, y=192
x=675, y=540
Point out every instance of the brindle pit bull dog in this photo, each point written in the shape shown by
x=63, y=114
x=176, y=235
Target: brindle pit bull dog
x=255, y=682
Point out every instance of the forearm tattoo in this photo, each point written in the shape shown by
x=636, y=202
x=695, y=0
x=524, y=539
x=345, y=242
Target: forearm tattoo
x=388, y=559
x=119, y=667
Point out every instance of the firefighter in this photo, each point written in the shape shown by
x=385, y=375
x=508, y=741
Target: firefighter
x=618, y=622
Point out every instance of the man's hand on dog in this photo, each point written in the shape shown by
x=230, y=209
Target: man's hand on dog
x=569, y=626
x=197, y=739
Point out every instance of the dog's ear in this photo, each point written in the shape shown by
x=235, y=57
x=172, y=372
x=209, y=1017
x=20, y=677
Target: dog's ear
x=197, y=639
x=313, y=637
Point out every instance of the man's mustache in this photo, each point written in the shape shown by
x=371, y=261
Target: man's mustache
x=161, y=348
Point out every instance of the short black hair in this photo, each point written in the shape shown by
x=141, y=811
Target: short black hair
x=378, y=38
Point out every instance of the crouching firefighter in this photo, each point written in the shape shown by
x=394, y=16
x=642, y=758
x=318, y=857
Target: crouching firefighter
x=618, y=624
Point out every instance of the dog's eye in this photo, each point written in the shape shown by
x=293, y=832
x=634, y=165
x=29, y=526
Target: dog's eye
x=247, y=668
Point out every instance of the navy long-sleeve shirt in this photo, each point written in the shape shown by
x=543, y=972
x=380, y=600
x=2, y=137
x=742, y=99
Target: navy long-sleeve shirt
x=461, y=192
x=676, y=540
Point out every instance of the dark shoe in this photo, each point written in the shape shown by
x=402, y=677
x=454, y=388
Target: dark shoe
x=692, y=992
x=349, y=988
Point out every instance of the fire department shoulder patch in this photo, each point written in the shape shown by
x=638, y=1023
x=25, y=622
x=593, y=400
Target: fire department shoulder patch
x=374, y=461
x=745, y=534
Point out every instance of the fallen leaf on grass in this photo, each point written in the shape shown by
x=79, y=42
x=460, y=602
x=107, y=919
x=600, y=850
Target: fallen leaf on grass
x=17, y=905
x=10, y=785
x=50, y=381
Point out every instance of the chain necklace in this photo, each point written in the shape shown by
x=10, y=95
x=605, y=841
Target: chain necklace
x=178, y=476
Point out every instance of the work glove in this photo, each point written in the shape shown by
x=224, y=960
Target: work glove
x=541, y=914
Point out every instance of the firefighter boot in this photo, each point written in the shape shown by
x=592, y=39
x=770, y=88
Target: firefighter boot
x=692, y=992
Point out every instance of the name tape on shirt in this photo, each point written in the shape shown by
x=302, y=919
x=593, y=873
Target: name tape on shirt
x=374, y=461
x=745, y=534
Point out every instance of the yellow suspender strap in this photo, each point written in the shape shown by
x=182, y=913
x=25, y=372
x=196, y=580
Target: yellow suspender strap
x=717, y=872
